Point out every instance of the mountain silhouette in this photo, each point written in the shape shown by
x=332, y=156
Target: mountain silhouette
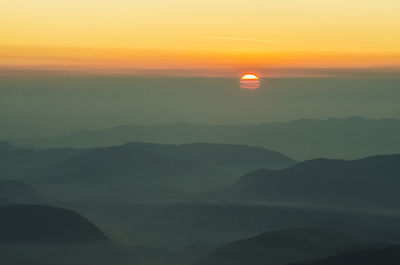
x=94, y=253
x=225, y=156
x=126, y=173
x=44, y=224
x=18, y=191
x=369, y=182
x=381, y=256
x=236, y=158
x=303, y=139
x=281, y=247
x=182, y=224
x=5, y=201
x=12, y=161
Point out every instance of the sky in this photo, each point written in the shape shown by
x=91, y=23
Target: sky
x=208, y=37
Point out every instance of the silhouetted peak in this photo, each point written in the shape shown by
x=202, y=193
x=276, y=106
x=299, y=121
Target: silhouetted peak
x=36, y=223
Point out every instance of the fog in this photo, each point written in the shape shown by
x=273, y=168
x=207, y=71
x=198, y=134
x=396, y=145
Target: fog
x=54, y=105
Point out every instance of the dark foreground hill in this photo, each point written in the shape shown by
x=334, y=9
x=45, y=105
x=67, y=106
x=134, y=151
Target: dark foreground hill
x=42, y=235
x=350, y=138
x=369, y=182
x=384, y=256
x=281, y=247
x=34, y=224
x=5, y=202
x=104, y=253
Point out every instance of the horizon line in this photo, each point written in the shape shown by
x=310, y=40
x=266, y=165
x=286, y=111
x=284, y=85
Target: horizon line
x=270, y=72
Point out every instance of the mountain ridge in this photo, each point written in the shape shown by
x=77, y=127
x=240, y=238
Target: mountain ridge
x=44, y=224
x=367, y=182
x=282, y=246
x=348, y=138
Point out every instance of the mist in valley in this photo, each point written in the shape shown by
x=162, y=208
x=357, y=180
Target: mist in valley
x=196, y=171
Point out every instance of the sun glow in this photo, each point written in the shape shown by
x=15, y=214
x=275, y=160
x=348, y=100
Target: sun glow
x=131, y=37
x=249, y=77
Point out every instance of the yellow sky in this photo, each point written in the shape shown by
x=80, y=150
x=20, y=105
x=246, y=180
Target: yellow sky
x=158, y=34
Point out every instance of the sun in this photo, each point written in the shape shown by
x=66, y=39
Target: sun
x=249, y=77
x=249, y=81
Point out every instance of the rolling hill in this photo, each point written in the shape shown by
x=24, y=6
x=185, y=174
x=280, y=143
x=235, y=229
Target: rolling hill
x=281, y=247
x=137, y=170
x=125, y=173
x=44, y=224
x=370, y=182
x=18, y=191
x=15, y=161
x=236, y=158
x=381, y=256
x=5, y=202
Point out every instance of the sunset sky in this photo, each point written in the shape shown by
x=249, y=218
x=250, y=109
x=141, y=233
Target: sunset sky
x=211, y=36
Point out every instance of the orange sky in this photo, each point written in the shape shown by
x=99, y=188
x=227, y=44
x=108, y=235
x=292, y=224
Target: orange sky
x=125, y=35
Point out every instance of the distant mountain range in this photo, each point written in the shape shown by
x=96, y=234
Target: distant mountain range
x=235, y=158
x=282, y=247
x=350, y=138
x=370, y=182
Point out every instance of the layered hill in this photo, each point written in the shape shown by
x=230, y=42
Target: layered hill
x=136, y=170
x=281, y=247
x=217, y=224
x=12, y=161
x=43, y=224
x=349, y=138
x=125, y=173
x=104, y=253
x=43, y=235
x=225, y=156
x=382, y=256
x=5, y=201
x=369, y=182
x=236, y=158
x=18, y=191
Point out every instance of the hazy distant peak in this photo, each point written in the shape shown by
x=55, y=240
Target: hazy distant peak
x=347, y=138
x=5, y=145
